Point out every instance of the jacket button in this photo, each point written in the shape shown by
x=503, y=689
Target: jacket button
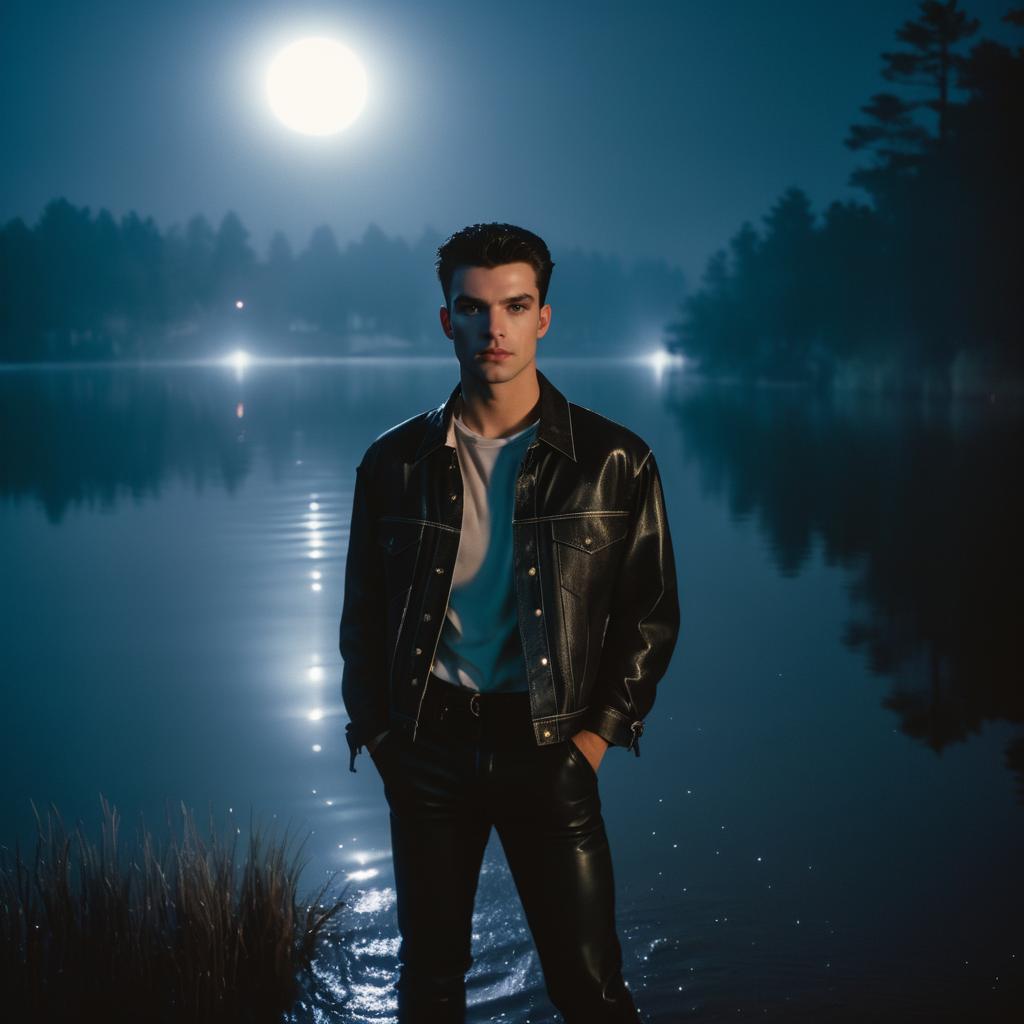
x=536, y=611
x=547, y=733
x=426, y=616
x=532, y=570
x=586, y=540
x=439, y=570
x=454, y=497
x=543, y=661
x=419, y=650
x=415, y=682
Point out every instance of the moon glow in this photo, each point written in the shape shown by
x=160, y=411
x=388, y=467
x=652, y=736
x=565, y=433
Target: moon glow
x=316, y=86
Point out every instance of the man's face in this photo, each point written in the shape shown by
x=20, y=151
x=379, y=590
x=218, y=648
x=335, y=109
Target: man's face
x=495, y=309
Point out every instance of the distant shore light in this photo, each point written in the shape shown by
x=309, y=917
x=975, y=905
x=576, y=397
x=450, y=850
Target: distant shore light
x=660, y=359
x=239, y=304
x=239, y=359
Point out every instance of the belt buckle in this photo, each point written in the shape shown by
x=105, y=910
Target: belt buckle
x=474, y=704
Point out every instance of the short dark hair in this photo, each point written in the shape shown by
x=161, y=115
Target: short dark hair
x=491, y=245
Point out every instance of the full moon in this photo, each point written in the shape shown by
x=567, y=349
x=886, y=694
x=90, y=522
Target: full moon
x=316, y=86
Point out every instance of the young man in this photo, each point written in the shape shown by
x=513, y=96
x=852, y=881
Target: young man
x=510, y=605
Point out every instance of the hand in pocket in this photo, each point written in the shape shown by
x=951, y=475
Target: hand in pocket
x=378, y=753
x=591, y=746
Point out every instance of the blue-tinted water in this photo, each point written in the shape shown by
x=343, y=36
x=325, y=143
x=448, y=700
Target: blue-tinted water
x=825, y=822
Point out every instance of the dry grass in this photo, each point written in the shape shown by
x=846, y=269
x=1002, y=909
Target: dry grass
x=153, y=934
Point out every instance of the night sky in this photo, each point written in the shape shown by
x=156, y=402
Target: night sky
x=642, y=129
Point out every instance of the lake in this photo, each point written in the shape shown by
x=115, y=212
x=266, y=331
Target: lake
x=826, y=821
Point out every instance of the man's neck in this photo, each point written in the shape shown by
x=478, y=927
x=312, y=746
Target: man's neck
x=500, y=409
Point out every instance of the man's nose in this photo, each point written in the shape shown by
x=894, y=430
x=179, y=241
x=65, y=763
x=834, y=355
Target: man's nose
x=494, y=326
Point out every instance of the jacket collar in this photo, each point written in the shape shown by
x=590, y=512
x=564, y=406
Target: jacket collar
x=554, y=429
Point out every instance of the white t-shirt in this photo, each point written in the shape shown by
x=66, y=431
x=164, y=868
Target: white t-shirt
x=480, y=647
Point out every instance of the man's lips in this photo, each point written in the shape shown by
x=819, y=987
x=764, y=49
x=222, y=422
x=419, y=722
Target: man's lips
x=490, y=353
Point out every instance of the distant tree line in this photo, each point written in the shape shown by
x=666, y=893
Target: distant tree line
x=925, y=283
x=77, y=286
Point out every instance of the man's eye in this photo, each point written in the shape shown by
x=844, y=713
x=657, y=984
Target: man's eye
x=472, y=307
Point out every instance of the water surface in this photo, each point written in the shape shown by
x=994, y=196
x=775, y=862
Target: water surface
x=825, y=822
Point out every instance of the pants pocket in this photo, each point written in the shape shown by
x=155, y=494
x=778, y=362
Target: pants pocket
x=580, y=758
x=384, y=753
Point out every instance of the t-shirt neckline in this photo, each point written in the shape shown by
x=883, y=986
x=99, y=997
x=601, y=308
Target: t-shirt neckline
x=491, y=442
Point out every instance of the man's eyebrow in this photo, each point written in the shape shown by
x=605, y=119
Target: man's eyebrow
x=462, y=297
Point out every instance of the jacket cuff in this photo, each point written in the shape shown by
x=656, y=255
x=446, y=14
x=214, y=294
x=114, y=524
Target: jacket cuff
x=614, y=727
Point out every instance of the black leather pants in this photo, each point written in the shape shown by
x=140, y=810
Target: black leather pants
x=444, y=794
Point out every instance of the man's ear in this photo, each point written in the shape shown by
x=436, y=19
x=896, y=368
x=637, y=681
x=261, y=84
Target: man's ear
x=545, y=310
x=446, y=321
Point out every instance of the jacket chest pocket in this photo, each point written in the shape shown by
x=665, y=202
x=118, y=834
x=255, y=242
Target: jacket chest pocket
x=399, y=542
x=587, y=550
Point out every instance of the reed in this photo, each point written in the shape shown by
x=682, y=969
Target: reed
x=167, y=932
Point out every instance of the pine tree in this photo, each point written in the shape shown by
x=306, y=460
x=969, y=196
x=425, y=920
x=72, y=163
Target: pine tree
x=900, y=142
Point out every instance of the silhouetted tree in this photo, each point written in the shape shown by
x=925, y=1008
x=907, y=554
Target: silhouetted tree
x=932, y=62
x=319, y=280
x=924, y=285
x=757, y=314
x=140, y=280
x=276, y=290
x=78, y=287
x=377, y=270
x=987, y=162
x=709, y=332
x=855, y=265
x=63, y=240
x=199, y=246
x=899, y=143
x=788, y=261
x=232, y=261
x=21, y=292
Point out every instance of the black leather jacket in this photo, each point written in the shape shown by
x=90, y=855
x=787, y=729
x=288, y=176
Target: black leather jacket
x=591, y=551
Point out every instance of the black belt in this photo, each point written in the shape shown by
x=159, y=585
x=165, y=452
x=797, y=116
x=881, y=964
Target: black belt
x=469, y=716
